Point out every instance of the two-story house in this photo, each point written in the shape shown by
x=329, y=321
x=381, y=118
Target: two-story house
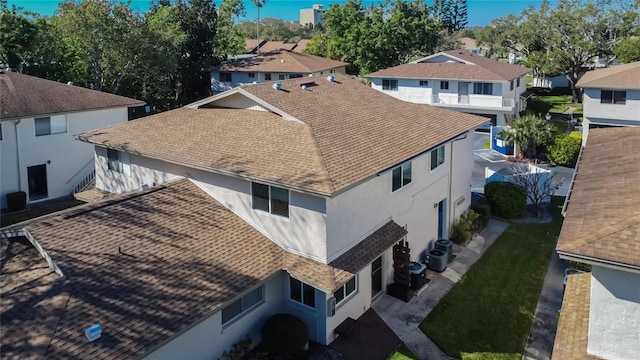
x=600, y=315
x=611, y=97
x=275, y=65
x=268, y=198
x=458, y=80
x=38, y=121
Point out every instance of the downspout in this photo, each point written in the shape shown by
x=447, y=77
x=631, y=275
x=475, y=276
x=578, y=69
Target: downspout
x=15, y=129
x=450, y=210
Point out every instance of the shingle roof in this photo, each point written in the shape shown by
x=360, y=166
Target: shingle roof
x=348, y=132
x=625, y=76
x=301, y=45
x=481, y=68
x=28, y=96
x=276, y=45
x=284, y=61
x=603, y=216
x=573, y=325
x=183, y=256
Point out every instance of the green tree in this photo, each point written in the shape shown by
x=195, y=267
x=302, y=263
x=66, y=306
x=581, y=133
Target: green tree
x=628, y=50
x=230, y=36
x=528, y=133
x=17, y=36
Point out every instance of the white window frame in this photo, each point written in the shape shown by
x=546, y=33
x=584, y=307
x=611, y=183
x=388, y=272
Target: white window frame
x=57, y=125
x=402, y=168
x=302, y=288
x=436, y=151
x=270, y=200
x=244, y=308
x=389, y=86
x=444, y=85
x=346, y=296
x=481, y=88
x=122, y=161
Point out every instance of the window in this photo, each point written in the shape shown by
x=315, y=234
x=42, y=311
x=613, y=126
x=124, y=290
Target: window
x=390, y=85
x=118, y=161
x=613, y=97
x=271, y=199
x=294, y=76
x=424, y=82
x=401, y=176
x=225, y=76
x=518, y=82
x=267, y=76
x=302, y=293
x=483, y=88
x=511, y=85
x=281, y=77
x=0, y=132
x=437, y=157
x=51, y=125
x=251, y=75
x=242, y=305
x=345, y=290
x=444, y=85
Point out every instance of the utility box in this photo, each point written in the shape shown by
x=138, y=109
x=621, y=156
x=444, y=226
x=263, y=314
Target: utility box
x=17, y=201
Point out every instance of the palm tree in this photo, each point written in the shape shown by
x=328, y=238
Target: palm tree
x=258, y=4
x=528, y=133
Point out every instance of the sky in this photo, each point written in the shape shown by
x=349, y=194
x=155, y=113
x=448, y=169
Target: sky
x=481, y=12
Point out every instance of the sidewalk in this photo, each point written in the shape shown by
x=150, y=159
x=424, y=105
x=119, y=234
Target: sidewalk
x=404, y=318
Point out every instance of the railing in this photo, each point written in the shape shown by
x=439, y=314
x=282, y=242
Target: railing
x=86, y=182
x=486, y=101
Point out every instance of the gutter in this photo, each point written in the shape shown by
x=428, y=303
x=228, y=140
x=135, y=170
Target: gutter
x=598, y=262
x=15, y=132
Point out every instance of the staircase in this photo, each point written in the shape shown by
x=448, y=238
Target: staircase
x=88, y=182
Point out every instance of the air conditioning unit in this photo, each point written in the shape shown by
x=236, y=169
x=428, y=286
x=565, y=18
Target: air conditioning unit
x=437, y=260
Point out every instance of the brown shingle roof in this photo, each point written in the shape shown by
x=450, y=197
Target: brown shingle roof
x=481, y=68
x=348, y=133
x=573, y=325
x=603, y=216
x=28, y=96
x=301, y=45
x=625, y=76
x=283, y=61
x=276, y=45
x=183, y=256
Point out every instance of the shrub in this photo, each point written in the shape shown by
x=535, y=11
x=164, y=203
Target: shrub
x=285, y=335
x=506, y=199
x=463, y=228
x=565, y=149
x=484, y=213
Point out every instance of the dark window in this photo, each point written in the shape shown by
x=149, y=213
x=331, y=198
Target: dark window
x=444, y=85
x=345, y=290
x=401, y=176
x=113, y=160
x=251, y=75
x=613, y=97
x=511, y=85
x=43, y=126
x=424, y=82
x=484, y=88
x=302, y=293
x=390, y=85
x=242, y=305
x=271, y=199
x=518, y=82
x=437, y=157
x=0, y=132
x=281, y=77
x=267, y=76
x=225, y=76
x=294, y=76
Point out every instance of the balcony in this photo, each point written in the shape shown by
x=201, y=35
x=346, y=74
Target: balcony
x=474, y=101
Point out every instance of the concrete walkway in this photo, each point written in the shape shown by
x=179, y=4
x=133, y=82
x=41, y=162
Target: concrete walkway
x=404, y=318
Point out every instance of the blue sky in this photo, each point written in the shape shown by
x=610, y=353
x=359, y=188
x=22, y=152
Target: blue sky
x=481, y=12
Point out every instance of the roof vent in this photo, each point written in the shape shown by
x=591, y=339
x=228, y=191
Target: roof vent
x=282, y=61
x=277, y=86
x=310, y=75
x=331, y=78
x=70, y=83
x=94, y=332
x=256, y=82
x=303, y=87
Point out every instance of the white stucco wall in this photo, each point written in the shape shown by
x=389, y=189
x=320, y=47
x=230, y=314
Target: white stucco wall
x=67, y=159
x=408, y=90
x=628, y=111
x=242, y=78
x=302, y=233
x=614, y=316
x=208, y=339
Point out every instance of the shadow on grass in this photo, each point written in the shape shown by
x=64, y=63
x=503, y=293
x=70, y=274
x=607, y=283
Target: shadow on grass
x=402, y=352
x=488, y=314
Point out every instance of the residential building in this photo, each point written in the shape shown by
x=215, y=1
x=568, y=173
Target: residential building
x=611, y=97
x=38, y=121
x=275, y=65
x=458, y=80
x=268, y=198
x=313, y=16
x=600, y=315
x=472, y=46
x=251, y=46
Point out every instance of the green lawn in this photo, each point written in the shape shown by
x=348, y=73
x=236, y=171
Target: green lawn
x=553, y=104
x=402, y=352
x=487, y=315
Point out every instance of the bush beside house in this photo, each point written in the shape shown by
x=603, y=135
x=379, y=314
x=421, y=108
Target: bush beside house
x=565, y=149
x=506, y=199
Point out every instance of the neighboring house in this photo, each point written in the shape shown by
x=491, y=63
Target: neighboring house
x=38, y=121
x=458, y=80
x=600, y=316
x=611, y=97
x=313, y=16
x=269, y=198
x=472, y=46
x=251, y=46
x=272, y=66
x=550, y=81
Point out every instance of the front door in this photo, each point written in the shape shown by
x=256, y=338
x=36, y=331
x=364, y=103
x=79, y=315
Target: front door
x=463, y=92
x=442, y=219
x=37, y=177
x=376, y=276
